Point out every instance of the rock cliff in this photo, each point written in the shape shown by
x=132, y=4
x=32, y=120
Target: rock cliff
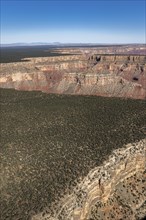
x=115, y=190
x=102, y=75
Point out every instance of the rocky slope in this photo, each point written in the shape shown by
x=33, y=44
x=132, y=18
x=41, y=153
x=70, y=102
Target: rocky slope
x=102, y=75
x=115, y=190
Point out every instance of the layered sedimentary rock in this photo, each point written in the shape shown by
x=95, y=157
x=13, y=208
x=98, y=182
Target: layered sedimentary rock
x=104, y=75
x=109, y=49
x=115, y=190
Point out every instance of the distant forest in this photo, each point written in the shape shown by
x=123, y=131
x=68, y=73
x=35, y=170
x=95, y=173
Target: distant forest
x=16, y=54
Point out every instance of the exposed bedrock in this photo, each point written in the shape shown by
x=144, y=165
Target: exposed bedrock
x=115, y=190
x=104, y=75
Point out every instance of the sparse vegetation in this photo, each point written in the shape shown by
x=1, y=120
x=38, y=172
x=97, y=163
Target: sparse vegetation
x=16, y=54
x=49, y=142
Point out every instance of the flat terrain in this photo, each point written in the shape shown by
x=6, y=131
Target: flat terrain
x=10, y=54
x=49, y=142
x=15, y=54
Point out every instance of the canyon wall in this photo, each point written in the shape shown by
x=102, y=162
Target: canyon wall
x=102, y=75
x=115, y=190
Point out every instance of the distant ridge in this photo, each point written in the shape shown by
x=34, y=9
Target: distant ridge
x=61, y=44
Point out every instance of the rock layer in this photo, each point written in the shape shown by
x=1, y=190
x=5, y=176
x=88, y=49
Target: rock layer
x=102, y=75
x=115, y=190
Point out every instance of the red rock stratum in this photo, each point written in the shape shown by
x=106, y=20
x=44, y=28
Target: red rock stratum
x=101, y=75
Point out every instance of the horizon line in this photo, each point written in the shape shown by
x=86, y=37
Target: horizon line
x=55, y=43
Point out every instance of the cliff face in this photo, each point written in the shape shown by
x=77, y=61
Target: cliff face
x=104, y=75
x=115, y=190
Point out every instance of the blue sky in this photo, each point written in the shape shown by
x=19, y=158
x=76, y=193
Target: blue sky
x=75, y=21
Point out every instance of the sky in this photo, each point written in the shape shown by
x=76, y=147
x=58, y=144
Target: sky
x=84, y=21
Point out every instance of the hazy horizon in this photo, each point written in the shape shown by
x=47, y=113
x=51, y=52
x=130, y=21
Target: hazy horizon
x=97, y=22
x=67, y=44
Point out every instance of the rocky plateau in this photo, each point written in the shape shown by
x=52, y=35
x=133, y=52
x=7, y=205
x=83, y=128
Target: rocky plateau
x=101, y=75
x=52, y=138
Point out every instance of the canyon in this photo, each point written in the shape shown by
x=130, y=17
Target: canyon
x=73, y=135
x=84, y=74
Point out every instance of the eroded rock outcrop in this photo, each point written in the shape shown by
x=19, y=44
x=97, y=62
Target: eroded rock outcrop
x=115, y=190
x=104, y=75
